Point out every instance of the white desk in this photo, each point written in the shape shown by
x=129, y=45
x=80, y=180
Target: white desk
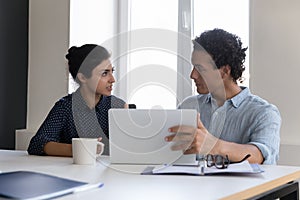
x=125, y=182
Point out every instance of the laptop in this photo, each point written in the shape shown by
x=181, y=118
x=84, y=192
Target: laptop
x=137, y=136
x=34, y=185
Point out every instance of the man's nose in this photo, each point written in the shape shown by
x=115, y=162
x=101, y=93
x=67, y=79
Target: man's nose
x=194, y=74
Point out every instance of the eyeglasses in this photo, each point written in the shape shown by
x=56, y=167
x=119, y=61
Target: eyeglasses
x=220, y=162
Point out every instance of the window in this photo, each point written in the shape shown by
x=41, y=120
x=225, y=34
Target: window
x=157, y=81
x=150, y=42
x=230, y=15
x=91, y=21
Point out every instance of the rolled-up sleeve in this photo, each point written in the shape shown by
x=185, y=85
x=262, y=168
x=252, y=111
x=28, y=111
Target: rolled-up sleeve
x=266, y=135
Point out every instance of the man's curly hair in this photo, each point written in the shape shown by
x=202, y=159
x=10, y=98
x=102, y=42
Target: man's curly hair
x=225, y=49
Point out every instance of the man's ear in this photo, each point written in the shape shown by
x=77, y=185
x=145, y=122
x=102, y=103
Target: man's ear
x=81, y=77
x=225, y=71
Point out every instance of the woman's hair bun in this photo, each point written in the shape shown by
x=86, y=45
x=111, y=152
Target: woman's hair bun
x=71, y=52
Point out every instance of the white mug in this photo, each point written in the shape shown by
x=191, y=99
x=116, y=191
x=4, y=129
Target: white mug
x=84, y=150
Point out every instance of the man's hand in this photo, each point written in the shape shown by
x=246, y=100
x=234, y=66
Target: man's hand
x=192, y=140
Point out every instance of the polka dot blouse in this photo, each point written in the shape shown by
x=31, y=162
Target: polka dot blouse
x=70, y=118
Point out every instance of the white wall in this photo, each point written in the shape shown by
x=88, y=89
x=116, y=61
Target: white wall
x=275, y=65
x=47, y=72
x=48, y=43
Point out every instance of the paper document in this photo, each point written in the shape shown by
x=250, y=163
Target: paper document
x=243, y=167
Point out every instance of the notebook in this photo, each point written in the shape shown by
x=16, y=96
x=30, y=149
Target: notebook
x=238, y=168
x=32, y=185
x=137, y=136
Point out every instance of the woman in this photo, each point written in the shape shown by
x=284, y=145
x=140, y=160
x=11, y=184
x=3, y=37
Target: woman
x=83, y=113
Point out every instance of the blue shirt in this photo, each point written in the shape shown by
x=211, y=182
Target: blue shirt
x=70, y=118
x=243, y=119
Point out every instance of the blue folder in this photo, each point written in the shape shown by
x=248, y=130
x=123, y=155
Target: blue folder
x=33, y=185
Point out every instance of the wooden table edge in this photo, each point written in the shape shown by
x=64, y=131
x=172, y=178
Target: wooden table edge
x=257, y=190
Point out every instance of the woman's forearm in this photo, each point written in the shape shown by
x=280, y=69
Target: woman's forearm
x=58, y=149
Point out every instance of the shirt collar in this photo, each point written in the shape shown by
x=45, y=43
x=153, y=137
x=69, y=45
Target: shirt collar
x=102, y=100
x=80, y=103
x=208, y=98
x=236, y=100
x=239, y=98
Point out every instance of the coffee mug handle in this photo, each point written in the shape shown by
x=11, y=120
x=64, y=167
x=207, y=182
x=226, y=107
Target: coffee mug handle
x=102, y=148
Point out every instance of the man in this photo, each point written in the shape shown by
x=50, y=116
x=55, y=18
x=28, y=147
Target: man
x=232, y=121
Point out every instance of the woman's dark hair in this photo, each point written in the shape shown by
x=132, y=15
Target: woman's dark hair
x=85, y=58
x=225, y=49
